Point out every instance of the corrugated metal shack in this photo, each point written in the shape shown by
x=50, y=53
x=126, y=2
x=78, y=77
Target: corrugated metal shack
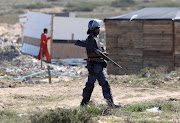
x=149, y=37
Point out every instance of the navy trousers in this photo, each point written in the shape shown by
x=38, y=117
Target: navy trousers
x=100, y=76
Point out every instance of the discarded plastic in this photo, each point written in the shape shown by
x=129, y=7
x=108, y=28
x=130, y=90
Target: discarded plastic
x=55, y=72
x=155, y=109
x=24, y=77
x=171, y=74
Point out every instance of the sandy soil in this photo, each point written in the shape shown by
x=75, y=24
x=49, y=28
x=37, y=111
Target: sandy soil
x=68, y=94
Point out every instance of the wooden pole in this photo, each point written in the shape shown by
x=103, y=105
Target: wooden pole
x=51, y=34
x=49, y=74
x=72, y=36
x=41, y=57
x=173, y=46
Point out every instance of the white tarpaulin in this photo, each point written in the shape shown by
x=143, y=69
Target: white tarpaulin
x=33, y=29
x=28, y=48
x=64, y=27
x=36, y=23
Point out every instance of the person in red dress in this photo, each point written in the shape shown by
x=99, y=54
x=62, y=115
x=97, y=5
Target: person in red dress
x=43, y=46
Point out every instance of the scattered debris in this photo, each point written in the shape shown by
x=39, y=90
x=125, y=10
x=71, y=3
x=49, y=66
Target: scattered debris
x=17, y=66
x=147, y=75
x=2, y=105
x=154, y=110
x=171, y=74
x=173, y=99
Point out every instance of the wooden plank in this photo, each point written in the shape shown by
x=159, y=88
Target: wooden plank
x=158, y=27
x=134, y=28
x=160, y=35
x=130, y=23
x=162, y=43
x=159, y=54
x=158, y=22
x=158, y=31
x=67, y=50
x=111, y=32
x=111, y=41
x=157, y=48
x=153, y=38
x=177, y=24
x=164, y=48
x=32, y=41
x=107, y=22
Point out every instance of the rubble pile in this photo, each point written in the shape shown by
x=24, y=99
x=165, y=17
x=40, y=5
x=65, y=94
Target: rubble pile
x=13, y=63
x=10, y=41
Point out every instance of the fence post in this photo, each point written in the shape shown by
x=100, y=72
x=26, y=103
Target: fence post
x=49, y=74
x=41, y=57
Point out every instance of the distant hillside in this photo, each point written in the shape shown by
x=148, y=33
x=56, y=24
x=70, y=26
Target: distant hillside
x=11, y=9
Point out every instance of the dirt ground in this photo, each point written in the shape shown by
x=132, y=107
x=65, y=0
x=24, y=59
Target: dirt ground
x=34, y=97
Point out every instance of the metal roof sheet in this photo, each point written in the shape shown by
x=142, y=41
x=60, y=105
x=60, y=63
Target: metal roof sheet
x=161, y=13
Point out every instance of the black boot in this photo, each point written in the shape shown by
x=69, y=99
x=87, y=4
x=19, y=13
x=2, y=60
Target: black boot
x=112, y=105
x=84, y=103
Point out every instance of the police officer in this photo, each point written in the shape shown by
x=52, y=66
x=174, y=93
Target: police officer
x=95, y=65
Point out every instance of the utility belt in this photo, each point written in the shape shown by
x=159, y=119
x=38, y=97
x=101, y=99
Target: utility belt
x=94, y=59
x=92, y=63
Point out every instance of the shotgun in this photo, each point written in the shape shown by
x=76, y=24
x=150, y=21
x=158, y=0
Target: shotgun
x=99, y=52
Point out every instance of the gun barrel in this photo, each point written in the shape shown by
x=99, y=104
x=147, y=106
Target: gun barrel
x=107, y=58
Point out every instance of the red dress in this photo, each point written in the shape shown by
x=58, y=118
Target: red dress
x=44, y=48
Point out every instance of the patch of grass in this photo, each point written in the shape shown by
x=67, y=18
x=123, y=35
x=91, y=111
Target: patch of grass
x=152, y=121
x=84, y=6
x=33, y=6
x=9, y=18
x=137, y=112
x=136, y=108
x=123, y=3
x=62, y=116
x=151, y=72
x=167, y=3
x=131, y=96
x=8, y=116
x=147, y=78
x=51, y=99
x=95, y=110
x=86, y=114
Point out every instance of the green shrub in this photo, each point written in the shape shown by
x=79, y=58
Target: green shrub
x=80, y=6
x=62, y=116
x=33, y=6
x=7, y=114
x=122, y=3
x=167, y=3
x=169, y=106
x=94, y=110
x=137, y=107
x=153, y=73
x=84, y=6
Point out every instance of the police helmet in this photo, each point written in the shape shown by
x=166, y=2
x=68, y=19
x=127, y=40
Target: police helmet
x=95, y=23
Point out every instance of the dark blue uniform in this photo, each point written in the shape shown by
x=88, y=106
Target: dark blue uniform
x=95, y=66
